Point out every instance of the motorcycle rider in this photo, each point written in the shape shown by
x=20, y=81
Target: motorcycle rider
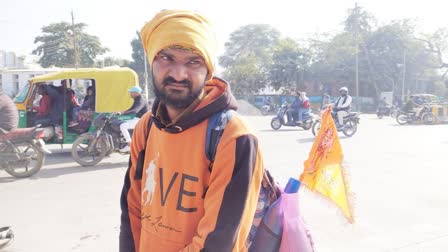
x=383, y=106
x=9, y=118
x=414, y=105
x=342, y=106
x=295, y=106
x=305, y=106
x=140, y=107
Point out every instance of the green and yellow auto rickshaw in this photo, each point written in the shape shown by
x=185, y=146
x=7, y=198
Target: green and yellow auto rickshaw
x=110, y=87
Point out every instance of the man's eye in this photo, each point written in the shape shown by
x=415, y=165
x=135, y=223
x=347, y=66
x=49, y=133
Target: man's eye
x=165, y=57
x=194, y=62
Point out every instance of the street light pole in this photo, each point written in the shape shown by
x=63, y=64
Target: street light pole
x=404, y=75
x=75, y=48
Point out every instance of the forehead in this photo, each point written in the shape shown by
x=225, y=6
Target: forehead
x=178, y=53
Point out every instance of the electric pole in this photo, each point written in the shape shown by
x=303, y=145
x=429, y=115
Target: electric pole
x=357, y=51
x=75, y=48
x=146, y=68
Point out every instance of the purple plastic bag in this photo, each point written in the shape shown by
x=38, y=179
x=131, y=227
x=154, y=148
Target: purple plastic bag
x=295, y=236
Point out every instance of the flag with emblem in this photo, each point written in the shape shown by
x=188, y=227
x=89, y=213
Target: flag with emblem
x=323, y=171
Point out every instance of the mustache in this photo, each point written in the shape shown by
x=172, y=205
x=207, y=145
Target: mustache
x=170, y=80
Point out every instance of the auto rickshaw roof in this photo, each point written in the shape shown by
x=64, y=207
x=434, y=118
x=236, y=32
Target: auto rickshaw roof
x=111, y=85
x=99, y=74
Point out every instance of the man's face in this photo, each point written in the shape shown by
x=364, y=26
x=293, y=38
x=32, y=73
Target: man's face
x=343, y=93
x=178, y=76
x=134, y=94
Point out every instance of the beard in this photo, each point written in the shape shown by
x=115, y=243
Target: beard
x=176, y=98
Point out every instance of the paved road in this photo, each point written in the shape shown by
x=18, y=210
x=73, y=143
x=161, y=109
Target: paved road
x=398, y=175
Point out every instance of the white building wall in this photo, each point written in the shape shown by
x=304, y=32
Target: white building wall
x=10, y=60
x=2, y=59
x=14, y=80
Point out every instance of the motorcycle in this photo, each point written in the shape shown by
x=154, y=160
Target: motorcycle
x=425, y=115
x=286, y=118
x=269, y=109
x=387, y=111
x=22, y=152
x=90, y=148
x=349, y=127
x=7, y=235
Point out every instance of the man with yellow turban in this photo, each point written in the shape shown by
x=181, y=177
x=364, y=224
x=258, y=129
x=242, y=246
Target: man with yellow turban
x=175, y=197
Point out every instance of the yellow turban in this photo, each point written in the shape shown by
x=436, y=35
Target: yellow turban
x=180, y=28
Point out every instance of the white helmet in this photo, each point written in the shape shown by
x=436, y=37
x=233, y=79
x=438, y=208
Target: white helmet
x=343, y=89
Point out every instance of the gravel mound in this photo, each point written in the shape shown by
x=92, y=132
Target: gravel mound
x=247, y=109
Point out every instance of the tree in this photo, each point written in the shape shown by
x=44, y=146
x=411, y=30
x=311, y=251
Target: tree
x=112, y=61
x=289, y=64
x=57, y=47
x=248, y=57
x=437, y=44
x=138, y=63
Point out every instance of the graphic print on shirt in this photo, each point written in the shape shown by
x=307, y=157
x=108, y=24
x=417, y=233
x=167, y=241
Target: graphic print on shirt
x=150, y=183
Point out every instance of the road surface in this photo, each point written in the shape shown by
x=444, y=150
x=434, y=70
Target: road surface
x=397, y=173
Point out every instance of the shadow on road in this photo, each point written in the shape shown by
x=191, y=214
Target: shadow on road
x=306, y=140
x=311, y=139
x=56, y=172
x=280, y=130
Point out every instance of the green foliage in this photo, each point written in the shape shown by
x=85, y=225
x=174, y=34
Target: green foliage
x=57, y=47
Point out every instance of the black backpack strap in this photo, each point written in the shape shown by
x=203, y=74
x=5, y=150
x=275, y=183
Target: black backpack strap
x=141, y=154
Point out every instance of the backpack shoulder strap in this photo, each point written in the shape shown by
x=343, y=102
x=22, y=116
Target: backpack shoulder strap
x=215, y=129
x=141, y=154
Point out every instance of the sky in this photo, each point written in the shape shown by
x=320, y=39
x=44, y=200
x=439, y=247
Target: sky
x=116, y=22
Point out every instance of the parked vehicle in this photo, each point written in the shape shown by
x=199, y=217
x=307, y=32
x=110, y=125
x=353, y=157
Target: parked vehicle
x=22, y=152
x=6, y=236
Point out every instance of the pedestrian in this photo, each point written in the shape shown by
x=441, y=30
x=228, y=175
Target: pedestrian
x=173, y=198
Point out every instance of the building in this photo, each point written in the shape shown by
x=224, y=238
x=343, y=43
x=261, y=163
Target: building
x=12, y=80
x=10, y=60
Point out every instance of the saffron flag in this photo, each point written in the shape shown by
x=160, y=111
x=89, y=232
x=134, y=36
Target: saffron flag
x=323, y=171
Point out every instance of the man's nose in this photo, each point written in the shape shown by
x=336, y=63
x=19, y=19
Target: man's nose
x=179, y=72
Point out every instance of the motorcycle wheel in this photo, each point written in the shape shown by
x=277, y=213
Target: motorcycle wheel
x=81, y=154
x=307, y=125
x=316, y=127
x=380, y=116
x=402, y=119
x=393, y=114
x=350, y=128
x=32, y=163
x=428, y=118
x=264, y=112
x=275, y=123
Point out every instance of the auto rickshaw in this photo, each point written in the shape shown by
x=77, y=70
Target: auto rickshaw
x=111, y=95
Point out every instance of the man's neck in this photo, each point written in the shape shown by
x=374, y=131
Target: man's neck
x=173, y=113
